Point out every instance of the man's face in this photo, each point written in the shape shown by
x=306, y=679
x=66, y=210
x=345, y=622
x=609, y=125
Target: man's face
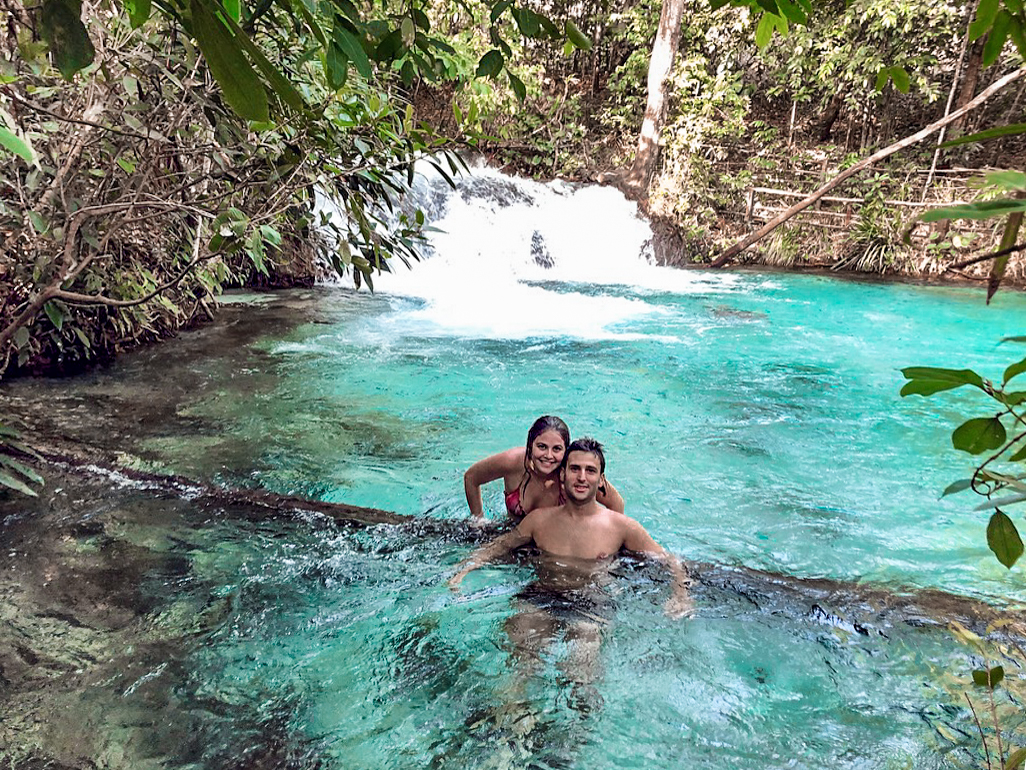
x=582, y=476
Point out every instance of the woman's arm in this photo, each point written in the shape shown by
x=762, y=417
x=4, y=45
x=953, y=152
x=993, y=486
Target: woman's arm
x=497, y=466
x=611, y=498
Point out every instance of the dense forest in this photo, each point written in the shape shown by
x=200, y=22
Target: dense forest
x=158, y=153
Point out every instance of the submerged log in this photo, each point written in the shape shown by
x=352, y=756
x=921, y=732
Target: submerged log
x=855, y=607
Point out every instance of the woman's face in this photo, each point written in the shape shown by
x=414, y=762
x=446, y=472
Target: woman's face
x=547, y=452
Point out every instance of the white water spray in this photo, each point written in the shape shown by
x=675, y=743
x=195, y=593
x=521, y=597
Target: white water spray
x=517, y=259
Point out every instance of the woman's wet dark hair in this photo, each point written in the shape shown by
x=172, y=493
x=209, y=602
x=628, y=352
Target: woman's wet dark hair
x=542, y=424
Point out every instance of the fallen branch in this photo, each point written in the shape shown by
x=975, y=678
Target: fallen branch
x=985, y=257
x=908, y=141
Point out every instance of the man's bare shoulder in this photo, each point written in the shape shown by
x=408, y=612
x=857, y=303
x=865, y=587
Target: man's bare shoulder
x=537, y=517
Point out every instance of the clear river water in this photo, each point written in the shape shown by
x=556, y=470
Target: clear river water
x=751, y=419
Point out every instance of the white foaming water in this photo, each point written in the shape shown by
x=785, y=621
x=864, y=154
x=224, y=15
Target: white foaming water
x=516, y=259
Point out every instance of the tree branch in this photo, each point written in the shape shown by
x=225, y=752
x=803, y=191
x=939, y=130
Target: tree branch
x=985, y=257
x=97, y=299
x=908, y=141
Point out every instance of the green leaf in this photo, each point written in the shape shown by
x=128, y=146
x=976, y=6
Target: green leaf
x=420, y=19
x=927, y=380
x=550, y=29
x=1003, y=539
x=39, y=224
x=311, y=23
x=408, y=73
x=21, y=469
x=996, y=38
x=990, y=133
x=55, y=314
x=578, y=38
x=979, y=435
x=233, y=8
x=958, y=486
x=270, y=235
x=764, y=32
x=983, y=210
x=988, y=677
x=409, y=31
x=83, y=338
x=527, y=21
x=1015, y=370
x=490, y=65
x=281, y=85
x=336, y=65
x=792, y=12
x=1001, y=502
x=255, y=251
x=389, y=47
x=999, y=265
x=14, y=143
x=349, y=10
x=9, y=481
x=984, y=19
x=1018, y=456
x=900, y=78
x=60, y=25
x=1017, y=31
x=518, y=86
x=1006, y=181
x=239, y=83
x=500, y=8
x=349, y=43
x=881, y=79
x=1015, y=759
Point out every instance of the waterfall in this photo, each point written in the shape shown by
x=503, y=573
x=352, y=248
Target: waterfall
x=511, y=258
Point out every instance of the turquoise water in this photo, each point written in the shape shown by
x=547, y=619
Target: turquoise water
x=759, y=425
x=751, y=420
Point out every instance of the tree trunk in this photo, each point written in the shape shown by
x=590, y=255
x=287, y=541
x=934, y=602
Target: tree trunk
x=972, y=78
x=664, y=51
x=829, y=117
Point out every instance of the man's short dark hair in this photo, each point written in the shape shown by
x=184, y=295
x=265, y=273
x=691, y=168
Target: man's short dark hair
x=587, y=445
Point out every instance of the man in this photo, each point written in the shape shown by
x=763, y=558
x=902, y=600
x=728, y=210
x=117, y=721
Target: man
x=578, y=538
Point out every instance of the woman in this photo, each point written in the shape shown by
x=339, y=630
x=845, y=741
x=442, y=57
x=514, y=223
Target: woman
x=530, y=473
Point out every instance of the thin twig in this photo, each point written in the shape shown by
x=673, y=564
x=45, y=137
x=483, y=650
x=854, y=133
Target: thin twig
x=979, y=727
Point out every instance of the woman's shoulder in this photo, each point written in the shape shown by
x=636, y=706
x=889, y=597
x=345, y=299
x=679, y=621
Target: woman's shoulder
x=505, y=461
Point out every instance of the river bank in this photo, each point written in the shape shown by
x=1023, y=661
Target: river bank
x=75, y=339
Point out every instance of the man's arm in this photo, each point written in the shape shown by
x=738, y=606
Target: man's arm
x=490, y=552
x=637, y=539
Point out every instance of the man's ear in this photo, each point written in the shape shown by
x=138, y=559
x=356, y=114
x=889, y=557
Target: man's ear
x=602, y=484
